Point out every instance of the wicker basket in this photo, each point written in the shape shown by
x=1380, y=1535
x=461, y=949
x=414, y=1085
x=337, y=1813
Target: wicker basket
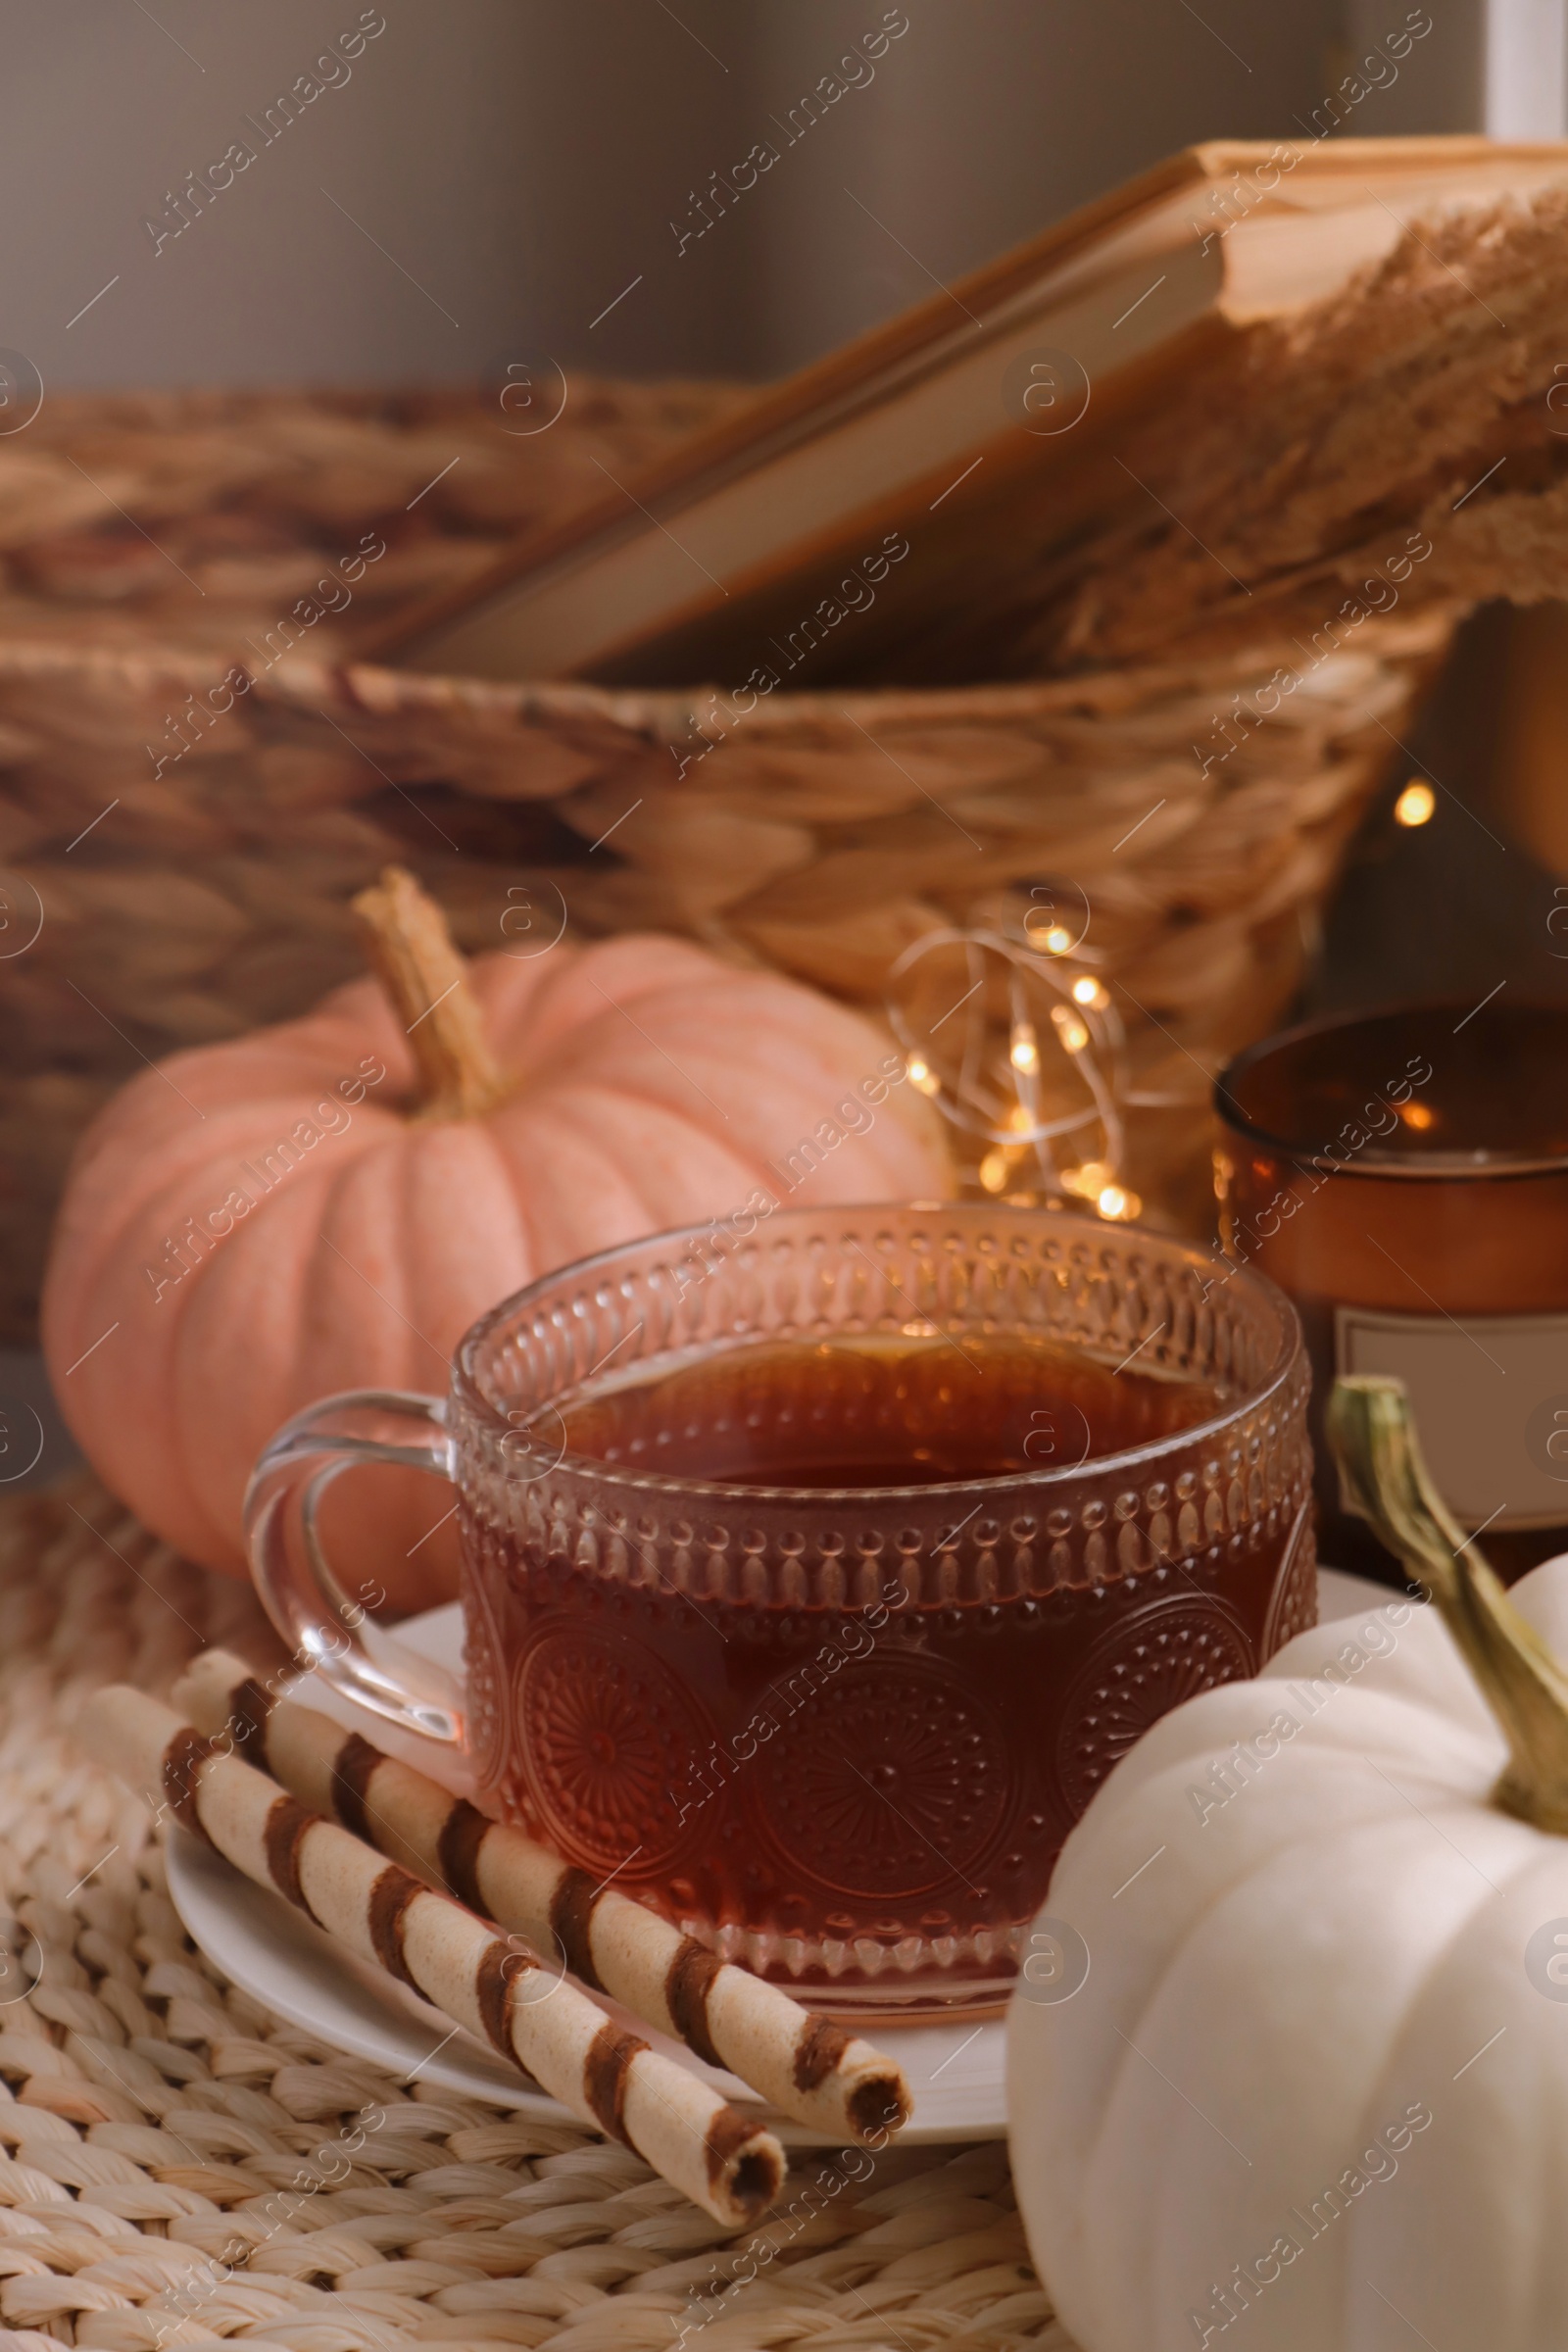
x=159, y=896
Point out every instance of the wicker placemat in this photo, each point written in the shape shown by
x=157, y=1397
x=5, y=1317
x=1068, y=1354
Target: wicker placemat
x=177, y=2166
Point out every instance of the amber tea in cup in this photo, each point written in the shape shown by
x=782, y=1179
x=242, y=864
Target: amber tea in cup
x=814, y=1579
x=876, y=1409
x=1403, y=1176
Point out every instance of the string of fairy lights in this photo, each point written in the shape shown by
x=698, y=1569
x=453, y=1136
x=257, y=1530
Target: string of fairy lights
x=1018, y=1043
x=1011, y=1032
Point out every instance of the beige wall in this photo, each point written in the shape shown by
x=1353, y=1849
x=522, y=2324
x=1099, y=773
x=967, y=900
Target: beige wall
x=104, y=113
x=521, y=160
x=988, y=122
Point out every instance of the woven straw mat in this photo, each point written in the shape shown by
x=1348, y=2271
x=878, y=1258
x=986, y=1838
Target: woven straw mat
x=172, y=2156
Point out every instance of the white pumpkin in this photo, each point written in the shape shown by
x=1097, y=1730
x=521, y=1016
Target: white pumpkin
x=1311, y=2094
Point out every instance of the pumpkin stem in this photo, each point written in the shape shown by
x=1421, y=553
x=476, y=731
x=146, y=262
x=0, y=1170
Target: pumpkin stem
x=1385, y=1481
x=427, y=982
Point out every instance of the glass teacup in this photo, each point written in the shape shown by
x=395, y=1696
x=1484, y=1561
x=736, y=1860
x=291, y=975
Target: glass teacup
x=835, y=1727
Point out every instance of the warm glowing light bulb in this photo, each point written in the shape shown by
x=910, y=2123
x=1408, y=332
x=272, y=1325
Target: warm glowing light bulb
x=921, y=1075
x=1118, y=1205
x=1089, y=992
x=995, y=1170
x=1056, y=941
x=1087, y=1181
x=1417, y=1115
x=1024, y=1053
x=1416, y=803
x=1069, y=1028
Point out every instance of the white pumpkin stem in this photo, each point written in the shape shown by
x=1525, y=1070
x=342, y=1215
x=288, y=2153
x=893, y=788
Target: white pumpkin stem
x=427, y=982
x=1386, y=1482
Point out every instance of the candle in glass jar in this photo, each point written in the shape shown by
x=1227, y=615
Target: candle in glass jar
x=1404, y=1177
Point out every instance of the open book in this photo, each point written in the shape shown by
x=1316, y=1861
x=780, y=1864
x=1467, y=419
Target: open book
x=943, y=462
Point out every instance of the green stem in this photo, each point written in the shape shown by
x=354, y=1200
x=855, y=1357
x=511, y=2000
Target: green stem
x=1385, y=1481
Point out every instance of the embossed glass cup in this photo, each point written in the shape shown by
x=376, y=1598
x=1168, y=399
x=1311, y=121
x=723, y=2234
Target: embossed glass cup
x=838, y=1734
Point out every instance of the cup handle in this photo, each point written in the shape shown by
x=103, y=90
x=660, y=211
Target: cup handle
x=326, y=1628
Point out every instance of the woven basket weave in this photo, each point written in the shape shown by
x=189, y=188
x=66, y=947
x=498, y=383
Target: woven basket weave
x=158, y=895
x=172, y=2156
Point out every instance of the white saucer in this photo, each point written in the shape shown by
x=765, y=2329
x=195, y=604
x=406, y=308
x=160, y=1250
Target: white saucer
x=278, y=1956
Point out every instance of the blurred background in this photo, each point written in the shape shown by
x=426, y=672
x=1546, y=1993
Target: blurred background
x=503, y=176
x=493, y=171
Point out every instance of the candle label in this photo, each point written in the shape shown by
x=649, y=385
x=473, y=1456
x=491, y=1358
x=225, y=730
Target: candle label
x=1489, y=1396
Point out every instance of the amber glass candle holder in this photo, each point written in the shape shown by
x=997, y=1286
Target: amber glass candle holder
x=1404, y=1177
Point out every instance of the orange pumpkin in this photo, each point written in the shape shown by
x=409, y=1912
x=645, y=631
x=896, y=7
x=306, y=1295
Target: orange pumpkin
x=329, y=1204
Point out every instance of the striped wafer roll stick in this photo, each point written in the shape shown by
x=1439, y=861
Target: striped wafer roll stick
x=723, y=2161
x=803, y=2065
